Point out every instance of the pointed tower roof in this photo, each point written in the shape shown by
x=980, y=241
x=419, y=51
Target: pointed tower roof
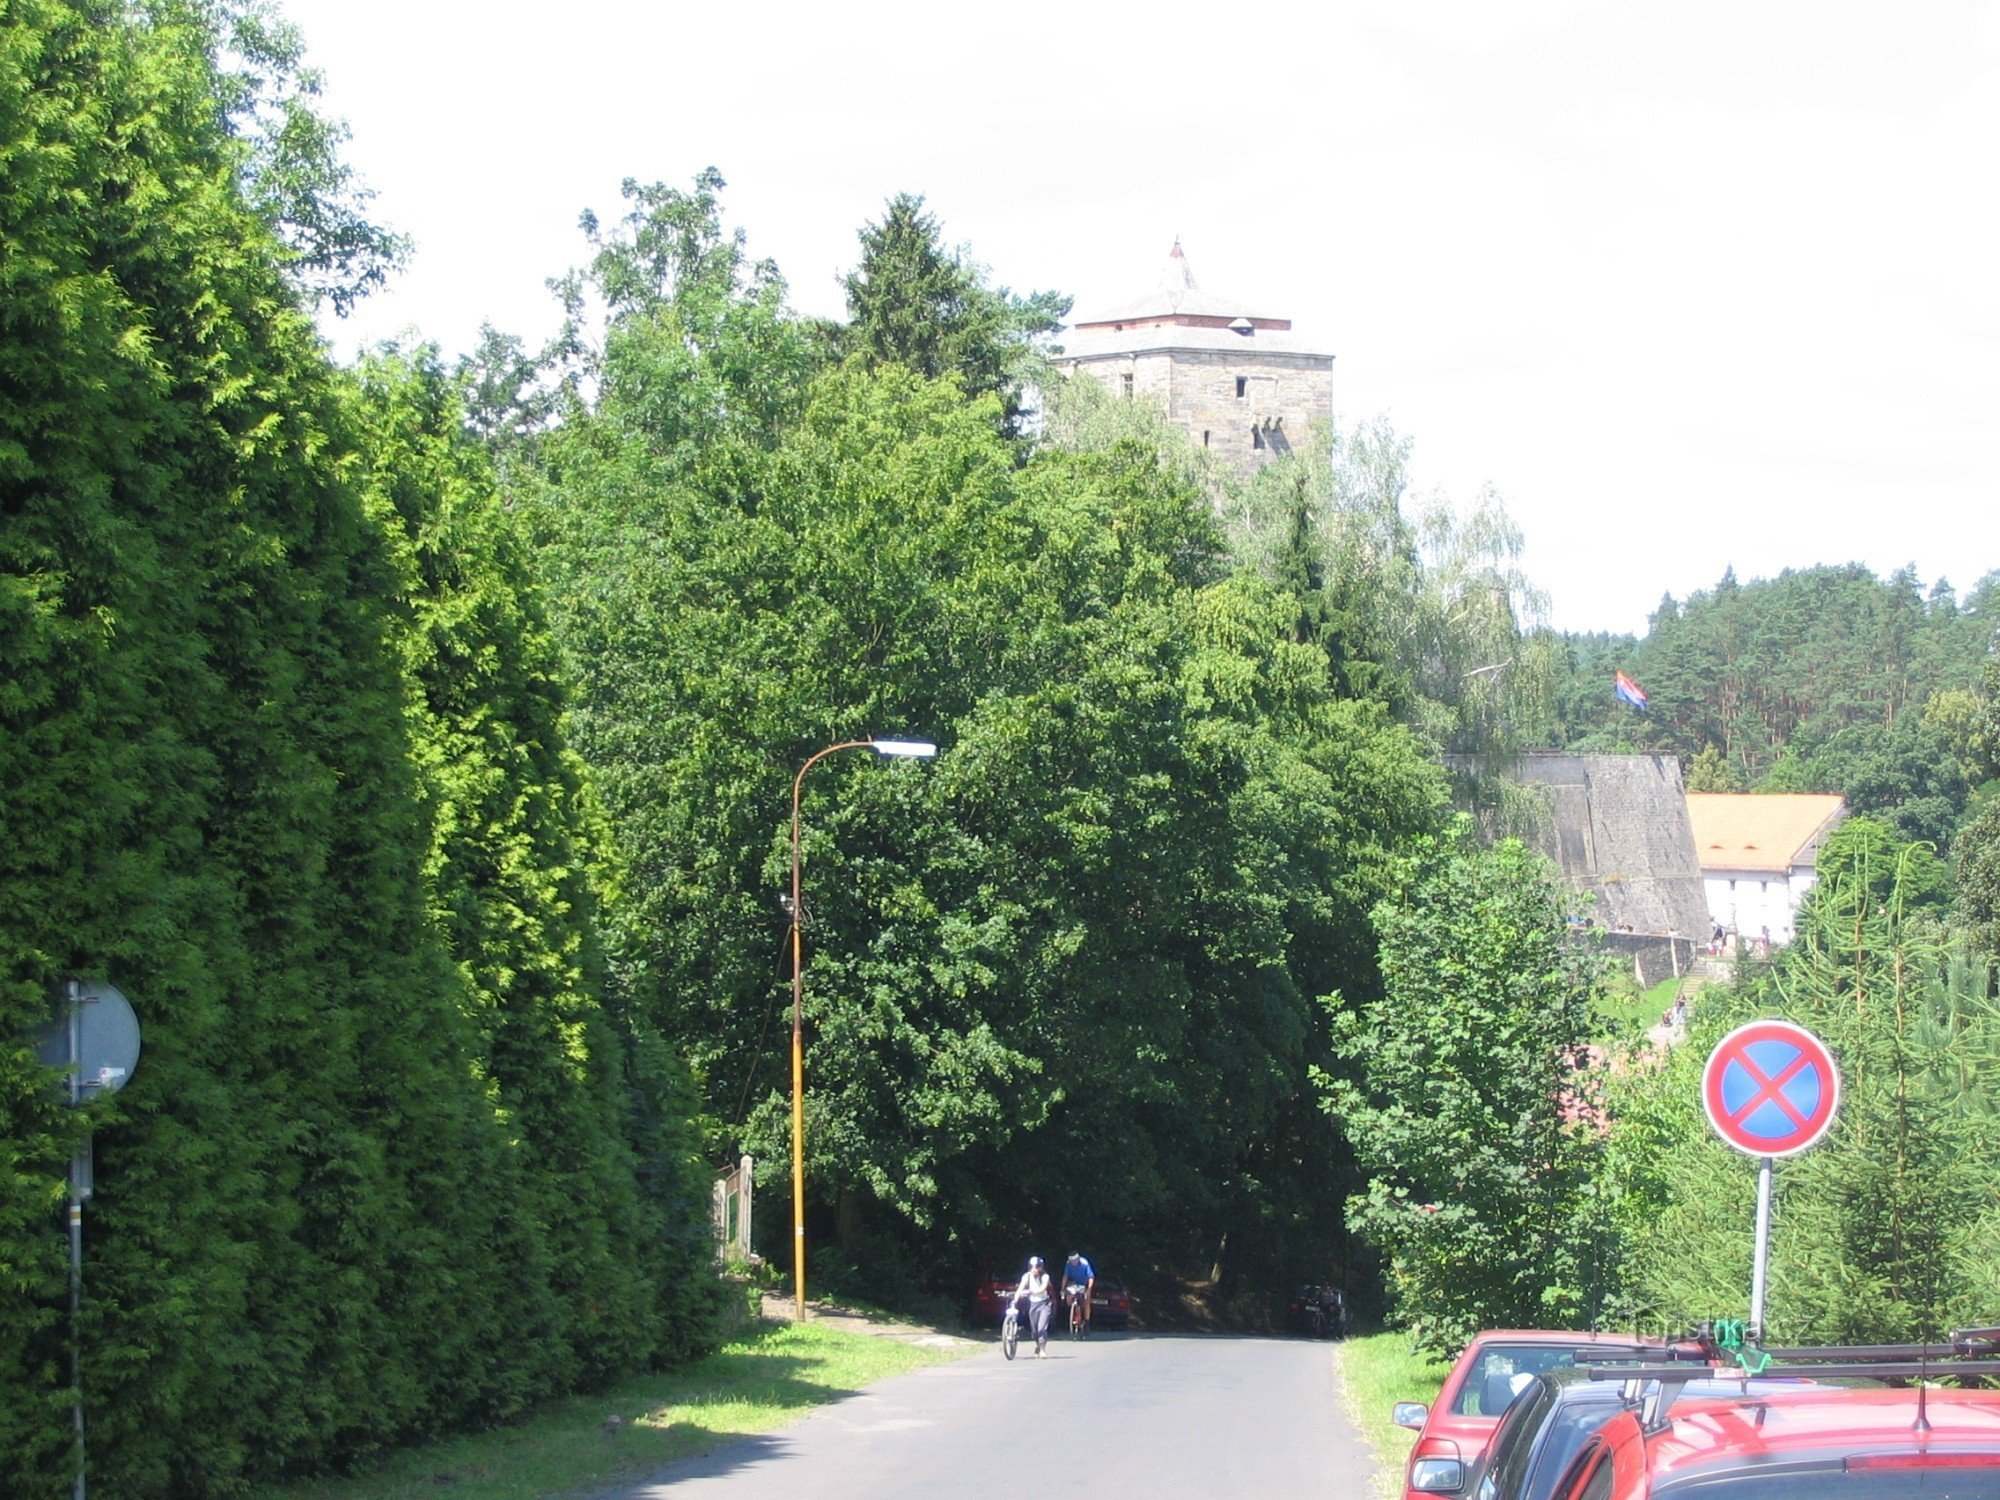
x=1178, y=299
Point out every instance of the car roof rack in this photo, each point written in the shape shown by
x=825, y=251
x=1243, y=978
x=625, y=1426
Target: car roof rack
x=1968, y=1352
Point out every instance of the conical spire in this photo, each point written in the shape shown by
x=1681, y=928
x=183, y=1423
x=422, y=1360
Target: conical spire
x=1175, y=275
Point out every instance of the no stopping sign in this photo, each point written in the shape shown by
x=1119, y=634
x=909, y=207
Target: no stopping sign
x=1770, y=1088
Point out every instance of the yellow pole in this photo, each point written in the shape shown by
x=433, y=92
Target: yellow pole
x=798, y=1113
x=799, y=1039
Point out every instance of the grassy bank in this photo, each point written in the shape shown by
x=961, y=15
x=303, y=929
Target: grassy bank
x=767, y=1377
x=1376, y=1372
x=1629, y=1011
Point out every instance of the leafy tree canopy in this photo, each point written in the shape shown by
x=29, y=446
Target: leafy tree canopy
x=1823, y=679
x=288, y=151
x=1099, y=917
x=913, y=302
x=280, y=755
x=1466, y=1102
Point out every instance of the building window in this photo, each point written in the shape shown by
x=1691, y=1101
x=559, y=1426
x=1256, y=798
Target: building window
x=1256, y=437
x=1242, y=386
x=1128, y=387
x=1204, y=437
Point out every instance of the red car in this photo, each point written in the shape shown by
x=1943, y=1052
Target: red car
x=1110, y=1303
x=1453, y=1433
x=990, y=1296
x=1812, y=1443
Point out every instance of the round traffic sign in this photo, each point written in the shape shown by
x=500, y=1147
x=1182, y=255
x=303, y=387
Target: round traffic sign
x=1770, y=1088
x=106, y=1038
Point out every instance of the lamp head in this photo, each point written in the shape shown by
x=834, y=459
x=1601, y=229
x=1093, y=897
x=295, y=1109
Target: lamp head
x=915, y=748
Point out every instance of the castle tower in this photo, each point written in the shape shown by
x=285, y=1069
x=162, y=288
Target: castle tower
x=1239, y=383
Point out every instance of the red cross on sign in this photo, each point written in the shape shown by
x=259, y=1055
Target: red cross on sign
x=1770, y=1088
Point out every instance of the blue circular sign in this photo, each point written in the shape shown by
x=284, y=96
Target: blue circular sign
x=1770, y=1088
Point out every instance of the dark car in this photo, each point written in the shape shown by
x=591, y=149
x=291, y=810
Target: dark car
x=1110, y=1304
x=1317, y=1312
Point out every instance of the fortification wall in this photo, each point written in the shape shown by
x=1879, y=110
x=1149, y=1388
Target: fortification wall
x=1619, y=828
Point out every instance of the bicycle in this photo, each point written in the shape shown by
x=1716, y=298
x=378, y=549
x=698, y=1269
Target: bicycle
x=1010, y=1328
x=1079, y=1315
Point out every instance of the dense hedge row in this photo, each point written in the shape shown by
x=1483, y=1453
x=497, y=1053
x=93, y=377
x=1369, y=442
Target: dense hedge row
x=280, y=756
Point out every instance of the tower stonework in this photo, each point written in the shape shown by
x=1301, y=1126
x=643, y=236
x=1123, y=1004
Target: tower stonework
x=1240, y=384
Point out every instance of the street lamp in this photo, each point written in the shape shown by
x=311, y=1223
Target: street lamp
x=921, y=749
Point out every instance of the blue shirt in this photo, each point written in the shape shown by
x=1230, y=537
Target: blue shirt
x=1078, y=1271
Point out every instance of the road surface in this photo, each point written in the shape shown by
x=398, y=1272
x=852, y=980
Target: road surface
x=1131, y=1417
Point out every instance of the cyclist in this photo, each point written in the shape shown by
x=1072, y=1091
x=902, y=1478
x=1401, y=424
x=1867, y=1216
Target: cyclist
x=1035, y=1288
x=1078, y=1279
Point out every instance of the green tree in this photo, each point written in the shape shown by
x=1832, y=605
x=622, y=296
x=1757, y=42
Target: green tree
x=1885, y=1230
x=1467, y=1102
x=317, y=1231
x=1099, y=918
x=913, y=302
x=1710, y=772
x=289, y=152
x=1824, y=679
x=1907, y=776
x=1869, y=853
x=1976, y=877
x=514, y=879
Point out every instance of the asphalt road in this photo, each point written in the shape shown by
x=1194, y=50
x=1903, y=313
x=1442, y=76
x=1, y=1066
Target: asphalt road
x=1116, y=1418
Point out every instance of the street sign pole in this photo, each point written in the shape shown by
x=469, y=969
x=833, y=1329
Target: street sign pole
x=76, y=1178
x=96, y=1044
x=1770, y=1089
x=1763, y=1251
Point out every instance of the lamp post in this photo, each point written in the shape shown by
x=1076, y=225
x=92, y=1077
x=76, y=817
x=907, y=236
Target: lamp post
x=907, y=748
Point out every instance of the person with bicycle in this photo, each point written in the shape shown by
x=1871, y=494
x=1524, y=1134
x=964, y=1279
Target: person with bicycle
x=1035, y=1288
x=1079, y=1277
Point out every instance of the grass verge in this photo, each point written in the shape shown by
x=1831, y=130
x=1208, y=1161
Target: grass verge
x=1376, y=1372
x=1628, y=1011
x=766, y=1377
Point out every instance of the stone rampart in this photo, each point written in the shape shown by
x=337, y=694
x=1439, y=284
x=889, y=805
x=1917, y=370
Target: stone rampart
x=1619, y=828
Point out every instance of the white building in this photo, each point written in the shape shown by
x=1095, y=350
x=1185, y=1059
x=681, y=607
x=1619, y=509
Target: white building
x=1758, y=853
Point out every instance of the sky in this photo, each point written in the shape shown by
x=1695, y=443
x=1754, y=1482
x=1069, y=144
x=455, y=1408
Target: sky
x=1692, y=285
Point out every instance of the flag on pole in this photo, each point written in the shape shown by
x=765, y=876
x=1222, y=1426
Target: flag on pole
x=1628, y=690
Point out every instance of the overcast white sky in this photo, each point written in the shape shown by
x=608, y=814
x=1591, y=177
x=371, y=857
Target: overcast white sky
x=1691, y=284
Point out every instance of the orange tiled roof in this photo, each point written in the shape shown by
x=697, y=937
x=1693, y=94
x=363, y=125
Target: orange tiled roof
x=1757, y=830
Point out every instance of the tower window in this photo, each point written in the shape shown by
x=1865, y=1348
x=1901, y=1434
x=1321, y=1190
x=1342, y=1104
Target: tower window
x=1128, y=387
x=1242, y=386
x=1256, y=437
x=1204, y=437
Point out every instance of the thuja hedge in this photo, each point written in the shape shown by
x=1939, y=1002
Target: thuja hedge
x=280, y=756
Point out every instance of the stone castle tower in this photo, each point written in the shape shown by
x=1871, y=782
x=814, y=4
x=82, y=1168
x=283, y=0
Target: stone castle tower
x=1241, y=384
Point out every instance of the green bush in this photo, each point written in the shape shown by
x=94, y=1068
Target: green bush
x=280, y=755
x=1886, y=1230
x=1467, y=1107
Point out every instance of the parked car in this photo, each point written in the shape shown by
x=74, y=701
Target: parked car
x=1819, y=1443
x=990, y=1295
x=1452, y=1433
x=1317, y=1312
x=1110, y=1304
x=1549, y=1422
